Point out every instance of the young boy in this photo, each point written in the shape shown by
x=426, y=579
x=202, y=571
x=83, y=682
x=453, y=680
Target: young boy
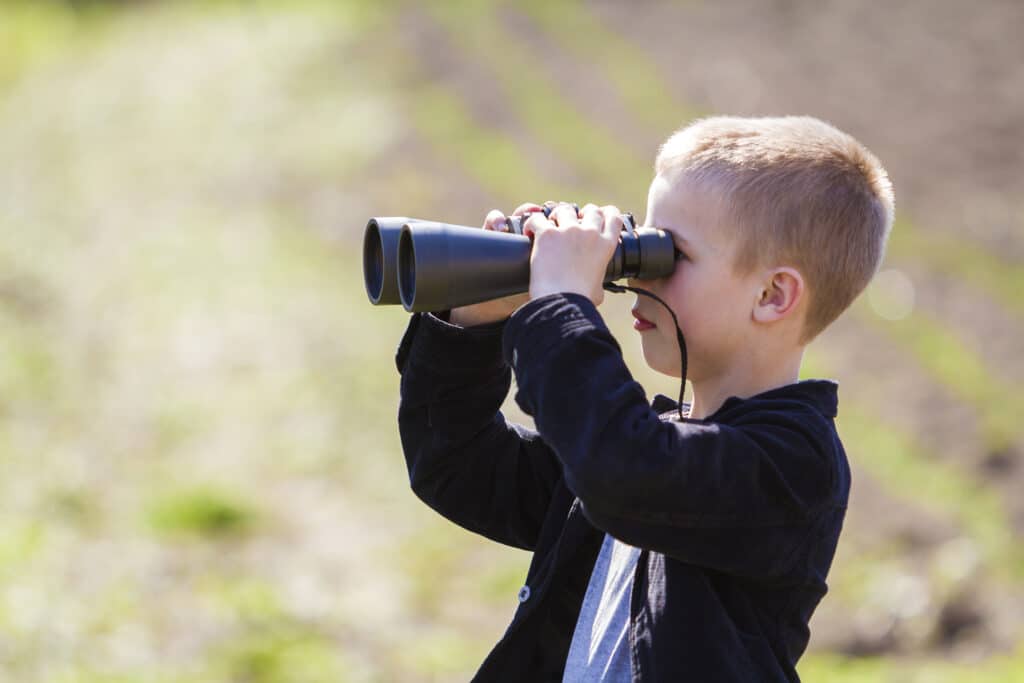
x=664, y=549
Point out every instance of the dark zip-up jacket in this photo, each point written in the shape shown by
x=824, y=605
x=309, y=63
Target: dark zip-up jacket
x=737, y=515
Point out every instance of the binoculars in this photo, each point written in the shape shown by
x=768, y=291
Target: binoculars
x=432, y=266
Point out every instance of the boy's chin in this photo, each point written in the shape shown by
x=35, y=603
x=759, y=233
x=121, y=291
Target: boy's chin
x=659, y=363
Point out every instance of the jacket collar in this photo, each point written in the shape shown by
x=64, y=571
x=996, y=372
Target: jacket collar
x=821, y=394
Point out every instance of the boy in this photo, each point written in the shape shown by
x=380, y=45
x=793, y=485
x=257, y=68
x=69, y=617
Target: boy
x=665, y=549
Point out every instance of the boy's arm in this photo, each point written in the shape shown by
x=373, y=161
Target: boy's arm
x=464, y=459
x=737, y=498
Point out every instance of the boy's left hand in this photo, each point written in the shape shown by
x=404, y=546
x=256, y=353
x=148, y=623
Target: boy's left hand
x=571, y=251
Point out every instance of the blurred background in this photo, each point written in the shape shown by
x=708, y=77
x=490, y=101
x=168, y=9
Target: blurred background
x=200, y=472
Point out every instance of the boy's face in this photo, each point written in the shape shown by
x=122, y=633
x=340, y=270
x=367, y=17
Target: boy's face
x=713, y=304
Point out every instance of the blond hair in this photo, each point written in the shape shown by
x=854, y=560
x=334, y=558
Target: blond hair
x=797, y=192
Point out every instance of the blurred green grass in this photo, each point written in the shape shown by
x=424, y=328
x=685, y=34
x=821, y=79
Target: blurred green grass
x=967, y=374
x=201, y=512
x=189, y=348
x=555, y=119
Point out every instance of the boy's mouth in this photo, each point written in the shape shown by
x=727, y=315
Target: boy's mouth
x=641, y=323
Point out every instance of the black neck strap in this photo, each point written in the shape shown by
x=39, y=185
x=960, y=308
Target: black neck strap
x=618, y=289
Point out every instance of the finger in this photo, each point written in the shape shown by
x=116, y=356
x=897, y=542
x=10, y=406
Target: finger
x=496, y=221
x=593, y=218
x=536, y=223
x=526, y=208
x=613, y=219
x=551, y=205
x=565, y=214
x=606, y=225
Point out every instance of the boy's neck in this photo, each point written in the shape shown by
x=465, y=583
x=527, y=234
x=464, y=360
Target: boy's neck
x=743, y=381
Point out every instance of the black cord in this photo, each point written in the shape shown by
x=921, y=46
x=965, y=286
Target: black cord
x=619, y=289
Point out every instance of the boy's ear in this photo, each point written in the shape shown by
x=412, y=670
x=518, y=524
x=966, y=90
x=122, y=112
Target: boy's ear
x=780, y=295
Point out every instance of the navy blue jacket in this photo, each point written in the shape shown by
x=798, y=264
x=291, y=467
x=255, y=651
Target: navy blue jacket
x=737, y=515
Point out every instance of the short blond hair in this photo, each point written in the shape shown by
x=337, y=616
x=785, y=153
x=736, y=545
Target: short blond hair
x=798, y=192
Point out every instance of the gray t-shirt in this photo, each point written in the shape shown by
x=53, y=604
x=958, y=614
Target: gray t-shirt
x=600, y=642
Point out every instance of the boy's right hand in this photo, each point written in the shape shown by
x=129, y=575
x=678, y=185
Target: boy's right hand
x=495, y=309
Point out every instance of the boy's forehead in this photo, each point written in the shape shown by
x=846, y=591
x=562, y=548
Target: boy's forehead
x=689, y=210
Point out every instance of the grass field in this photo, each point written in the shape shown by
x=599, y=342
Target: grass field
x=201, y=473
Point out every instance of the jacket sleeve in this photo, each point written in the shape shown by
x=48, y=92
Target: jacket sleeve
x=738, y=498
x=464, y=459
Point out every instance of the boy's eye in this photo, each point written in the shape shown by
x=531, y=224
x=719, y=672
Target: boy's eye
x=679, y=256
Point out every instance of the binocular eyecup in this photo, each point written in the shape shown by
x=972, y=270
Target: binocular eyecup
x=432, y=266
